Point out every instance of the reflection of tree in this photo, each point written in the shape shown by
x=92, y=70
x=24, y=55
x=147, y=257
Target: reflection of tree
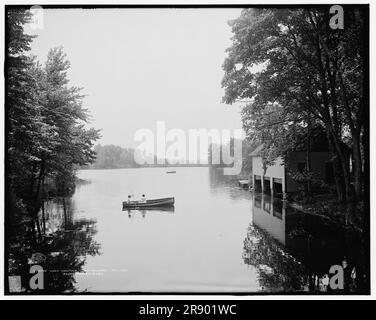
x=67, y=254
x=218, y=179
x=65, y=250
x=317, y=241
x=278, y=271
x=321, y=242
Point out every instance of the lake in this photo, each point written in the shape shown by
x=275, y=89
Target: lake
x=218, y=238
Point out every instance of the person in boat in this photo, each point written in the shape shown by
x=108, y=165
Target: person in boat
x=129, y=198
x=143, y=199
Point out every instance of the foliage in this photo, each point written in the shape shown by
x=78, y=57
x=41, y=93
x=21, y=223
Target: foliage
x=277, y=270
x=294, y=71
x=46, y=136
x=112, y=157
x=64, y=242
x=247, y=147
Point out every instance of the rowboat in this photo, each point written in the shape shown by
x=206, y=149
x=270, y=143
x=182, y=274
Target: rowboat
x=170, y=171
x=152, y=203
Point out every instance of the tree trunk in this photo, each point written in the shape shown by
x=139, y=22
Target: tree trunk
x=65, y=213
x=36, y=205
x=36, y=221
x=358, y=164
x=43, y=218
x=308, y=158
x=338, y=180
x=343, y=161
x=341, y=173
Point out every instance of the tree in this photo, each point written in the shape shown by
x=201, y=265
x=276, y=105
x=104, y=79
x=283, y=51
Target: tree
x=21, y=107
x=308, y=73
x=46, y=139
x=46, y=133
x=64, y=142
x=112, y=157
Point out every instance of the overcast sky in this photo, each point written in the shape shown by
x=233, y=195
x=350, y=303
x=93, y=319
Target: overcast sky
x=138, y=66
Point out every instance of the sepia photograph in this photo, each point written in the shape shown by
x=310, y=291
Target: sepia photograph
x=187, y=149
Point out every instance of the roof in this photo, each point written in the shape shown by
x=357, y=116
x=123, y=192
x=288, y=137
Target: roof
x=318, y=143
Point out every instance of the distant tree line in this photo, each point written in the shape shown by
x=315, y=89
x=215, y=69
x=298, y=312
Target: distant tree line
x=116, y=157
x=113, y=157
x=46, y=134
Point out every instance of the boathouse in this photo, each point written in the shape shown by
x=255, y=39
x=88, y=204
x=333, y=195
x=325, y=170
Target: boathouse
x=277, y=181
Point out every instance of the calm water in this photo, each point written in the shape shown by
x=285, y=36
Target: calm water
x=219, y=238
x=197, y=247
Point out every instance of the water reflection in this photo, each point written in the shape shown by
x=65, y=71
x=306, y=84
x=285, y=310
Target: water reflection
x=226, y=185
x=196, y=246
x=62, y=241
x=294, y=250
x=277, y=270
x=132, y=213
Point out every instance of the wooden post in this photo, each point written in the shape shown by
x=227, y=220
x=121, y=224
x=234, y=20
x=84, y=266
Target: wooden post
x=271, y=187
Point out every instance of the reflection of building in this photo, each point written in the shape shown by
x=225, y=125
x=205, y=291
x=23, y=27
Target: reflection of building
x=314, y=240
x=270, y=216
